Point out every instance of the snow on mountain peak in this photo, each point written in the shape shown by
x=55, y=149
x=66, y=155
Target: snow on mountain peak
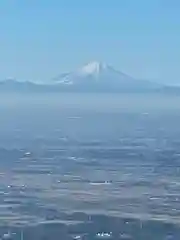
x=92, y=72
x=92, y=68
x=98, y=75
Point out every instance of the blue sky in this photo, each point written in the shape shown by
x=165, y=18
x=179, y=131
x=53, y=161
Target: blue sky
x=42, y=38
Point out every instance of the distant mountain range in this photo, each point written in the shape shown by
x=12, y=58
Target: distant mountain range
x=93, y=77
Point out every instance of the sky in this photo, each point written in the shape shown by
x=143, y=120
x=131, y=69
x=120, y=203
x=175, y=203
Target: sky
x=41, y=39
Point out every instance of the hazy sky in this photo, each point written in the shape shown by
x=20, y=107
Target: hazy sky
x=42, y=38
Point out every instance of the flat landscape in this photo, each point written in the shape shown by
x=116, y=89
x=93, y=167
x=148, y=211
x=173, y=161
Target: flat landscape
x=79, y=157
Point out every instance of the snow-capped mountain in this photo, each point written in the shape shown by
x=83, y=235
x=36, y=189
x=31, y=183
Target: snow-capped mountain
x=92, y=77
x=100, y=76
x=93, y=71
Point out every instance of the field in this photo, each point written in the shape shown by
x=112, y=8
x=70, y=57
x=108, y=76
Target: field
x=121, y=160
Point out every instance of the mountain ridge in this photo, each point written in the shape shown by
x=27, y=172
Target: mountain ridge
x=92, y=77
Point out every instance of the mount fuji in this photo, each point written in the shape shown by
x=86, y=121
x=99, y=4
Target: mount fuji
x=92, y=77
x=98, y=76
